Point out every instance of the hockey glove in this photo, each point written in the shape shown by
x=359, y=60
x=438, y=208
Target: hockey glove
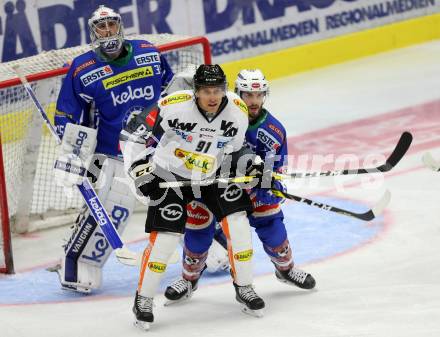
x=266, y=196
x=141, y=172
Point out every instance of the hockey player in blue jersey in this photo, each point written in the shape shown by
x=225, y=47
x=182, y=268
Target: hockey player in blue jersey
x=101, y=90
x=266, y=136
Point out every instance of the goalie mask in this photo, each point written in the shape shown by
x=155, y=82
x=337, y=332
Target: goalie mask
x=106, y=31
x=251, y=85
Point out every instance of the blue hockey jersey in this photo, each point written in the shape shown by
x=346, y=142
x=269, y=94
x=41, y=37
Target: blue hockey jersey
x=102, y=94
x=267, y=136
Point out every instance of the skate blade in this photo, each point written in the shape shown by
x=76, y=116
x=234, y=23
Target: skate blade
x=180, y=300
x=255, y=313
x=144, y=326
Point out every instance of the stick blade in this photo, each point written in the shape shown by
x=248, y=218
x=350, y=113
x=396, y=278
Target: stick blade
x=127, y=257
x=382, y=204
x=398, y=153
x=430, y=162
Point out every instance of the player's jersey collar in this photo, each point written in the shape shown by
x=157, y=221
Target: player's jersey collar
x=260, y=120
x=121, y=60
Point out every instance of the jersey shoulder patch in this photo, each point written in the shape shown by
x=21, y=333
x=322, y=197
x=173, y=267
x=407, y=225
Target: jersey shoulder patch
x=175, y=98
x=275, y=127
x=234, y=98
x=241, y=105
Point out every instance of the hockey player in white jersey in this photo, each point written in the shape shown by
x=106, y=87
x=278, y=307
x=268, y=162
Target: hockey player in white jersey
x=266, y=136
x=196, y=133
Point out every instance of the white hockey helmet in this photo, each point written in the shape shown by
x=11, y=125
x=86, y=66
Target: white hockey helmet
x=251, y=80
x=105, y=20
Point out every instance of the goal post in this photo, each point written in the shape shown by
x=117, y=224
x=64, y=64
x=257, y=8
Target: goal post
x=34, y=201
x=6, y=261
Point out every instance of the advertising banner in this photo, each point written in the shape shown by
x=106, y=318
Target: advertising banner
x=236, y=28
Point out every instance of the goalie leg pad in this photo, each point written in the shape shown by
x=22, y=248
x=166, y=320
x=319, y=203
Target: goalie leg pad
x=237, y=230
x=87, y=249
x=155, y=259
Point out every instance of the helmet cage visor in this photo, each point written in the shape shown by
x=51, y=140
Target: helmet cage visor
x=107, y=34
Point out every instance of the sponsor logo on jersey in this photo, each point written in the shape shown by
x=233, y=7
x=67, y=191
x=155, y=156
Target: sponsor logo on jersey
x=157, y=267
x=277, y=130
x=83, y=66
x=146, y=45
x=267, y=139
x=127, y=76
x=185, y=136
x=232, y=193
x=176, y=125
x=222, y=144
x=173, y=99
x=195, y=161
x=171, y=212
x=199, y=216
x=228, y=129
x=147, y=58
x=96, y=74
x=242, y=105
x=245, y=255
x=146, y=93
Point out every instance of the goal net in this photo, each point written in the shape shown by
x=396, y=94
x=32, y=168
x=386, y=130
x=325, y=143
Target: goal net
x=29, y=151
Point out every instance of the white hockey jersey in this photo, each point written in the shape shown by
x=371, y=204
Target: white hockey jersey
x=193, y=147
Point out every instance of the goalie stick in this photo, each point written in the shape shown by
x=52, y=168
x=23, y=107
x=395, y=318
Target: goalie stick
x=94, y=204
x=399, y=151
x=430, y=162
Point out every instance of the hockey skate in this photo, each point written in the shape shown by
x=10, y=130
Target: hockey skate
x=297, y=277
x=252, y=304
x=143, y=311
x=180, y=290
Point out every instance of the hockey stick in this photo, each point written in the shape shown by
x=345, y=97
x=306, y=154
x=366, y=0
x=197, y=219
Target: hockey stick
x=94, y=204
x=367, y=216
x=130, y=258
x=399, y=151
x=430, y=162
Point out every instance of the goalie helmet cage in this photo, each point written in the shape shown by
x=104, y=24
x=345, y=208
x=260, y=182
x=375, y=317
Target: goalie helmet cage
x=29, y=151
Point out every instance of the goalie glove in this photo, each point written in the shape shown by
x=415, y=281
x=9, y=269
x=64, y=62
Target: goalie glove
x=76, y=153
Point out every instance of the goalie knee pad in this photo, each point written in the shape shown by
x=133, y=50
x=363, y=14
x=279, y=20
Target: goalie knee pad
x=237, y=230
x=87, y=250
x=155, y=259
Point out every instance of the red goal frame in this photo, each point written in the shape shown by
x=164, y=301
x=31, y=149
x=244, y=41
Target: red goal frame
x=4, y=219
